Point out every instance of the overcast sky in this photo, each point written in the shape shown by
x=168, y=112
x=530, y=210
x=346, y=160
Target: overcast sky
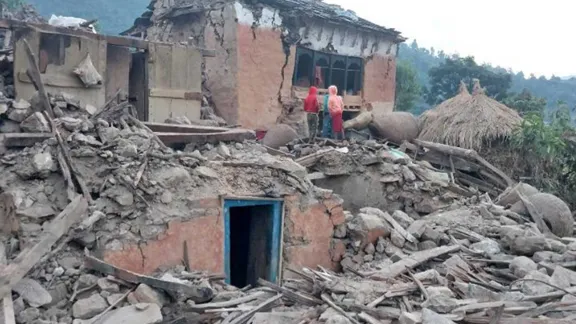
x=533, y=36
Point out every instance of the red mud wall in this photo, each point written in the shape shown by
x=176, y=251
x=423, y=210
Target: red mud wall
x=308, y=241
x=380, y=79
x=260, y=62
x=220, y=34
x=308, y=234
x=204, y=236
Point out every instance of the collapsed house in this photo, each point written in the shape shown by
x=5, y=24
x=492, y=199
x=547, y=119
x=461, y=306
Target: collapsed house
x=109, y=219
x=269, y=52
x=161, y=80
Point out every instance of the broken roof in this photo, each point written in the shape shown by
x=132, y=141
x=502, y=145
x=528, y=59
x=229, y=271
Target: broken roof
x=302, y=8
x=332, y=13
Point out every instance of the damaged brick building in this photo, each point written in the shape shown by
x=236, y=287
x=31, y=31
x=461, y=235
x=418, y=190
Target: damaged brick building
x=269, y=51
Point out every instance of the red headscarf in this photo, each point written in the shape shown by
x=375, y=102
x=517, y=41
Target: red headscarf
x=311, y=102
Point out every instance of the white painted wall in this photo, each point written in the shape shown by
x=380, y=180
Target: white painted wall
x=317, y=36
x=270, y=17
x=346, y=41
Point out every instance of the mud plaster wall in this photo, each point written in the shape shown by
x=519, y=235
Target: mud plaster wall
x=221, y=34
x=213, y=29
x=117, y=69
x=380, y=79
x=308, y=239
x=264, y=69
x=265, y=73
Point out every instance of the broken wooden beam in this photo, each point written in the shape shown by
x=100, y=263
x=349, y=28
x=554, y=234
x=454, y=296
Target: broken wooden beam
x=310, y=160
x=411, y=261
x=7, y=310
x=291, y=295
x=15, y=271
x=196, y=293
x=34, y=74
x=177, y=128
x=465, y=153
x=212, y=138
x=25, y=139
x=200, y=308
x=263, y=307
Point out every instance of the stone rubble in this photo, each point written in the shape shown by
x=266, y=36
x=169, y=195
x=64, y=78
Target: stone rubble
x=388, y=250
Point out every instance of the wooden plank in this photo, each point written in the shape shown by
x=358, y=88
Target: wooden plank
x=25, y=139
x=196, y=293
x=34, y=73
x=467, y=154
x=175, y=94
x=15, y=271
x=176, y=128
x=7, y=310
x=412, y=261
x=263, y=307
x=213, y=138
x=200, y=308
x=57, y=80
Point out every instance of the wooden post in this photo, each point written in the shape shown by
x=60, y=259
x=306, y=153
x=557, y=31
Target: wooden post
x=15, y=271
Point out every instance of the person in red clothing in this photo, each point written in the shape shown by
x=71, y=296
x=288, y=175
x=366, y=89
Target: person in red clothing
x=336, y=108
x=311, y=107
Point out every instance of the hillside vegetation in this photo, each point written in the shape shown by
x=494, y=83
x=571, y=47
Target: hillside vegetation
x=425, y=63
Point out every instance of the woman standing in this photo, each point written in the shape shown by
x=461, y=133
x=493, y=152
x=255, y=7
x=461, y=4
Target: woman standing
x=311, y=107
x=336, y=109
x=326, y=119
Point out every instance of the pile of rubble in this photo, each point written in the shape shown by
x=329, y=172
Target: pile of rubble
x=25, y=116
x=475, y=262
x=368, y=173
x=469, y=261
x=423, y=249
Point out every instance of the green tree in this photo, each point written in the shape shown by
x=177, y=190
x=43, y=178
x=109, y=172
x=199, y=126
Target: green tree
x=445, y=79
x=525, y=103
x=407, y=87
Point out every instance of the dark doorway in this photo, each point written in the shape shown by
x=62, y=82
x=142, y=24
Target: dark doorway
x=252, y=241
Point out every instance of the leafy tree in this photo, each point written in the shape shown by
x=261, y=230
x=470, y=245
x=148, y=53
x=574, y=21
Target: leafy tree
x=546, y=152
x=445, y=79
x=525, y=103
x=407, y=87
x=551, y=90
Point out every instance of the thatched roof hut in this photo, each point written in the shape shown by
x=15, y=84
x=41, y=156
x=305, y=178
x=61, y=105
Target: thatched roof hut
x=469, y=121
x=446, y=108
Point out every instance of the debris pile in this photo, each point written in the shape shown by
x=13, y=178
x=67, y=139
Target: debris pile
x=135, y=185
x=475, y=262
x=25, y=116
x=369, y=173
x=24, y=12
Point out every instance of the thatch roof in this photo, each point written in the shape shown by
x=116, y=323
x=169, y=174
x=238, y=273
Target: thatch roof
x=469, y=121
x=446, y=108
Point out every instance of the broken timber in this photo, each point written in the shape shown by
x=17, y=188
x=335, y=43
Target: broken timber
x=11, y=274
x=212, y=138
x=196, y=293
x=464, y=153
x=411, y=262
x=7, y=309
x=29, y=139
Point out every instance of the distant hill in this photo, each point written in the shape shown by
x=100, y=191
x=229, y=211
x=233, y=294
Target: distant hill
x=553, y=89
x=114, y=16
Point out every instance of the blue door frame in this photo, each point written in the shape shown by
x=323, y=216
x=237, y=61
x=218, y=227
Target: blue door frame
x=274, y=236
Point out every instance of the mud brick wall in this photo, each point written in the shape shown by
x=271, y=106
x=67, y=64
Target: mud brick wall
x=308, y=238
